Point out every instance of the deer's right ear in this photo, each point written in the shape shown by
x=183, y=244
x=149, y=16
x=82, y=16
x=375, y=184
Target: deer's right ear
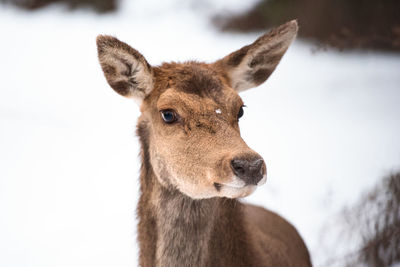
x=251, y=65
x=125, y=69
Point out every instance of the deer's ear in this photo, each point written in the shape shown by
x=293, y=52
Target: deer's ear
x=125, y=69
x=252, y=64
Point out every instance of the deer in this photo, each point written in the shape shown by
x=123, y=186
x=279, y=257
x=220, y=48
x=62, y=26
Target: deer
x=195, y=166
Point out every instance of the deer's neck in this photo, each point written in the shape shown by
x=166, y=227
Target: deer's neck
x=175, y=230
x=184, y=229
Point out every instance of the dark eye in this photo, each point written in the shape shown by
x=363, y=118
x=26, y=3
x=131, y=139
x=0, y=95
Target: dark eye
x=241, y=112
x=169, y=116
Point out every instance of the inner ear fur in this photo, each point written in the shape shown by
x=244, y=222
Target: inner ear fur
x=251, y=65
x=125, y=69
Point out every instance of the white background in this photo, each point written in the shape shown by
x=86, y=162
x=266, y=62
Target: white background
x=327, y=124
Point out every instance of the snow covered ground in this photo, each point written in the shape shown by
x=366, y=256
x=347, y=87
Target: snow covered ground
x=327, y=124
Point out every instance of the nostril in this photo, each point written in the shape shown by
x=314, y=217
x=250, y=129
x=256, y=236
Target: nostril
x=257, y=165
x=239, y=169
x=238, y=166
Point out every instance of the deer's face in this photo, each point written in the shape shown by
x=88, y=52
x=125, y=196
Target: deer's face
x=193, y=133
x=190, y=113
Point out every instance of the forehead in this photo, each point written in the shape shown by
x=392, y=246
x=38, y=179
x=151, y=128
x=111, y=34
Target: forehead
x=196, y=81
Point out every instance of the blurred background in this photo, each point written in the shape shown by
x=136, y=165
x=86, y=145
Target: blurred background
x=327, y=122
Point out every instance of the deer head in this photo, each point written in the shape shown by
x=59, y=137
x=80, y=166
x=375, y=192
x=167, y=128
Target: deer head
x=190, y=112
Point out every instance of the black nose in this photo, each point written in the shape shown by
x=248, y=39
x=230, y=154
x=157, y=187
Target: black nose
x=250, y=171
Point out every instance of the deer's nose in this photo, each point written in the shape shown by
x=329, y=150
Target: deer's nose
x=251, y=171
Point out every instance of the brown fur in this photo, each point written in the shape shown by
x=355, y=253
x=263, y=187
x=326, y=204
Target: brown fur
x=210, y=232
x=188, y=212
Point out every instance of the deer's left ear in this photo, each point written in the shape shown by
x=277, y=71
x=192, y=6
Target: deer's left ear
x=126, y=70
x=252, y=64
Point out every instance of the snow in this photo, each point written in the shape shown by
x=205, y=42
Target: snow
x=326, y=123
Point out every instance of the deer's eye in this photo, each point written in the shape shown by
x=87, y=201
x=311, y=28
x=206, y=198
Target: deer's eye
x=241, y=112
x=168, y=115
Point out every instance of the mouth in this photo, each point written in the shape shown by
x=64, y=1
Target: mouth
x=239, y=184
x=218, y=186
x=237, y=188
x=234, y=192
